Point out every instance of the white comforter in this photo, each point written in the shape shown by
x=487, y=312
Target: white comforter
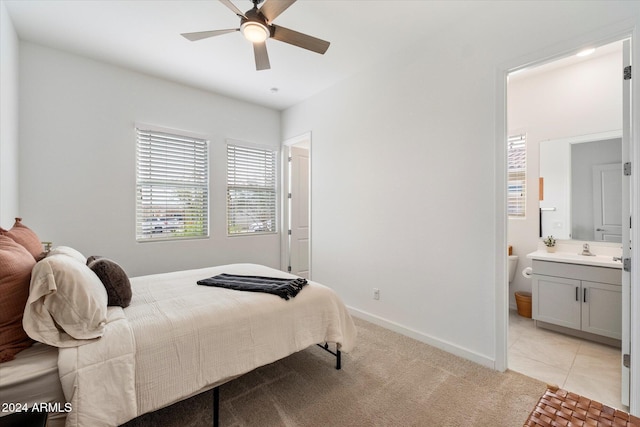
x=178, y=338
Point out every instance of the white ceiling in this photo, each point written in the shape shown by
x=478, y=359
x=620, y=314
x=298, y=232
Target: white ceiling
x=144, y=35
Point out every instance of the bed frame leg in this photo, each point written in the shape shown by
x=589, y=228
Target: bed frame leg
x=337, y=354
x=216, y=406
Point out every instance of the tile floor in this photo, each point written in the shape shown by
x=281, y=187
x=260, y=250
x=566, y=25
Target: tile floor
x=583, y=367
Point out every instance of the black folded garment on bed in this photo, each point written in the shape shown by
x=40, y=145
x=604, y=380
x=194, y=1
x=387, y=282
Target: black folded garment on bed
x=284, y=288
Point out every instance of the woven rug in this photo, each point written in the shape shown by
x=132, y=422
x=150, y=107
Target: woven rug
x=558, y=407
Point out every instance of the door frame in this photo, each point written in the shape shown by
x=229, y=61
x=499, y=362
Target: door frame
x=305, y=139
x=599, y=37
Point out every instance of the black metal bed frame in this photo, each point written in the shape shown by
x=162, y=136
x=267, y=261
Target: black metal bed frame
x=216, y=389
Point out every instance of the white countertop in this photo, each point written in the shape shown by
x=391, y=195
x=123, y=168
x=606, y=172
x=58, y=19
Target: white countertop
x=575, y=258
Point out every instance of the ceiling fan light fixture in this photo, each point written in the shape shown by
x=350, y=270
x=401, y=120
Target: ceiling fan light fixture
x=255, y=32
x=256, y=26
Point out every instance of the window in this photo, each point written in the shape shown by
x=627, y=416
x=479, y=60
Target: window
x=251, y=190
x=516, y=176
x=172, y=186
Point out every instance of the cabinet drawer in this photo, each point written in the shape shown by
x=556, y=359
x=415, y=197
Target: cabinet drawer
x=576, y=271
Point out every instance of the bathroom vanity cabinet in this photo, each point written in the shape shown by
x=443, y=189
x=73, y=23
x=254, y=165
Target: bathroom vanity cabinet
x=582, y=298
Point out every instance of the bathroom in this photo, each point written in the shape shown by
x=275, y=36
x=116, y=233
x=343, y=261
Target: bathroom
x=571, y=105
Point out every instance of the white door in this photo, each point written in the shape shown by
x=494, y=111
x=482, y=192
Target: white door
x=607, y=210
x=299, y=211
x=626, y=230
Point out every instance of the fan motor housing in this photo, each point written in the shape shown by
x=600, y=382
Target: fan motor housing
x=254, y=15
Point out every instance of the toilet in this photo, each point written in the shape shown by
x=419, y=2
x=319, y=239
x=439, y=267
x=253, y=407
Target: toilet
x=513, y=264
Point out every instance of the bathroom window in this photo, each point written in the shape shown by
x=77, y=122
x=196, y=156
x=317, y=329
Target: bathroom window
x=172, y=185
x=516, y=176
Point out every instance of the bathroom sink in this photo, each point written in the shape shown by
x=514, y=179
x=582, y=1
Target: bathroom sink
x=575, y=258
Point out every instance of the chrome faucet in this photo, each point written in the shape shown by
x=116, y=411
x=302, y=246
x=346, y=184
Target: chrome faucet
x=586, y=251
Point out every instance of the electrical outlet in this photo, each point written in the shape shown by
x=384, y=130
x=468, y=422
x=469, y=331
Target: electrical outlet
x=376, y=293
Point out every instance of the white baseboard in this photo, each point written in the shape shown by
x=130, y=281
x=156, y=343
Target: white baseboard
x=427, y=339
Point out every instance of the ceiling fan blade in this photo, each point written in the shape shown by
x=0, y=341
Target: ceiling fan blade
x=233, y=8
x=298, y=39
x=205, y=34
x=261, y=55
x=272, y=8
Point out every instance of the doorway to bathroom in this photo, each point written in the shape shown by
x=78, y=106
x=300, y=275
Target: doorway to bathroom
x=574, y=99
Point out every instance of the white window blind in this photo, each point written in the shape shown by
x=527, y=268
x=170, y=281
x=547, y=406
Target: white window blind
x=172, y=186
x=516, y=176
x=251, y=190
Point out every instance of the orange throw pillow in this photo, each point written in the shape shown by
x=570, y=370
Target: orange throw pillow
x=16, y=264
x=22, y=234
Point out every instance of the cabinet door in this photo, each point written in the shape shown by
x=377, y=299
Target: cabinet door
x=602, y=309
x=556, y=300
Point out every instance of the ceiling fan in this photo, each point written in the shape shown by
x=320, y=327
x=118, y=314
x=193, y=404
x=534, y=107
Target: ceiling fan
x=256, y=26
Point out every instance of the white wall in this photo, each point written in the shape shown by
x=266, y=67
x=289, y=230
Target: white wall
x=404, y=172
x=8, y=120
x=566, y=102
x=77, y=159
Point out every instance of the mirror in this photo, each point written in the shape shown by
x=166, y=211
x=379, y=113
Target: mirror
x=580, y=188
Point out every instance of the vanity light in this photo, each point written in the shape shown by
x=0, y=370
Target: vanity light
x=586, y=52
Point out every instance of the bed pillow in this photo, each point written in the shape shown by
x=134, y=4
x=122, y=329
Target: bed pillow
x=66, y=250
x=15, y=271
x=67, y=304
x=23, y=235
x=114, y=279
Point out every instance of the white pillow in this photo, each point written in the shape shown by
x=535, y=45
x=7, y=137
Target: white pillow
x=66, y=250
x=67, y=304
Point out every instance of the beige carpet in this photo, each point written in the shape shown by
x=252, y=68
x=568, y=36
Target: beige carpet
x=388, y=380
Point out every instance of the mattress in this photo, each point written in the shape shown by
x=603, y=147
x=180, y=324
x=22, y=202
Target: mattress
x=235, y=333
x=32, y=378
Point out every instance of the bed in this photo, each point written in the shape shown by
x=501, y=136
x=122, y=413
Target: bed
x=174, y=340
